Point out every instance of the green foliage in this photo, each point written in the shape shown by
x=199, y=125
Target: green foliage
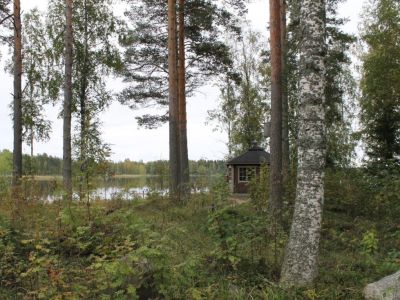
x=380, y=91
x=362, y=192
x=240, y=238
x=226, y=226
x=36, y=61
x=130, y=270
x=27, y=262
x=201, y=167
x=369, y=243
x=118, y=267
x=96, y=56
x=259, y=190
x=386, y=200
x=340, y=88
x=5, y=162
x=343, y=259
x=151, y=248
x=5, y=183
x=5, y=12
x=220, y=192
x=145, y=44
x=348, y=190
x=243, y=106
x=44, y=164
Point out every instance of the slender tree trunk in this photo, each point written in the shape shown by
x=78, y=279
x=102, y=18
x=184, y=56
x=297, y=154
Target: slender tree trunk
x=31, y=127
x=17, y=117
x=228, y=95
x=83, y=112
x=67, y=105
x=31, y=162
x=183, y=146
x=174, y=149
x=300, y=263
x=285, y=104
x=276, y=190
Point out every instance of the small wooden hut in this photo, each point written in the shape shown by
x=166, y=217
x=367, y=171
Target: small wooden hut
x=243, y=168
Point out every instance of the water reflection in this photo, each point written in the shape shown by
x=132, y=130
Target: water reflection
x=127, y=188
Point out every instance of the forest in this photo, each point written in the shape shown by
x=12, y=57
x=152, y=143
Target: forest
x=320, y=216
x=47, y=165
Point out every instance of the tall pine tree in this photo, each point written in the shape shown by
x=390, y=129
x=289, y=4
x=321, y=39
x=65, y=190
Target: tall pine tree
x=276, y=187
x=146, y=51
x=174, y=148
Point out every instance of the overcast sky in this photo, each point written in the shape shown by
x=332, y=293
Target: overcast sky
x=119, y=125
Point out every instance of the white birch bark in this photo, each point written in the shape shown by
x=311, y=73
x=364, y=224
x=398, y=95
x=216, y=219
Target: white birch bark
x=300, y=263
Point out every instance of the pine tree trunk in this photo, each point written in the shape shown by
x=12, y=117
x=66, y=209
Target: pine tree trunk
x=67, y=105
x=300, y=263
x=174, y=149
x=183, y=146
x=17, y=105
x=275, y=203
x=285, y=104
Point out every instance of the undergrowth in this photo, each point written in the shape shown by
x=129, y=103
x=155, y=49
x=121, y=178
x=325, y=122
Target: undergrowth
x=209, y=249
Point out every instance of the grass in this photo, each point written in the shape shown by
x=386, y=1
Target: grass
x=132, y=176
x=45, y=177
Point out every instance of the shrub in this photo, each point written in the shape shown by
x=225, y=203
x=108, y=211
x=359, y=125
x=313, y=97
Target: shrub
x=259, y=190
x=369, y=243
x=238, y=237
x=219, y=193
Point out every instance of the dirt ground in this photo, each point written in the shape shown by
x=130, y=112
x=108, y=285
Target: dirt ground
x=239, y=198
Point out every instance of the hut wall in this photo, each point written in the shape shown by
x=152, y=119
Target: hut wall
x=242, y=187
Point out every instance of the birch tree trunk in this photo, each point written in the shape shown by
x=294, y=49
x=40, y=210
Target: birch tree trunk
x=17, y=101
x=275, y=202
x=300, y=262
x=184, y=159
x=67, y=105
x=174, y=149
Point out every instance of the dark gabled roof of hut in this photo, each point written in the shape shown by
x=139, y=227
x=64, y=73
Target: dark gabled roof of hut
x=254, y=156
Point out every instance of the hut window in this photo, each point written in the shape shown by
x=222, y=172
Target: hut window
x=246, y=174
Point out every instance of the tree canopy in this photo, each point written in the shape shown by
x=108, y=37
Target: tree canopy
x=145, y=44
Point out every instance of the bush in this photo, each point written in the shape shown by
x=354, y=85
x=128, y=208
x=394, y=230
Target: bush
x=238, y=236
x=348, y=191
x=220, y=192
x=5, y=183
x=259, y=190
x=386, y=201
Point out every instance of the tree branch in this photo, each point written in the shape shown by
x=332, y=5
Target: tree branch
x=6, y=18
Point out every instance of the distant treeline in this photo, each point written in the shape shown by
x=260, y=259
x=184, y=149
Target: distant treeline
x=43, y=164
x=160, y=167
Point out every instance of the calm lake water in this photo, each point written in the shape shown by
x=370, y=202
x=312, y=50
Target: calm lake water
x=127, y=188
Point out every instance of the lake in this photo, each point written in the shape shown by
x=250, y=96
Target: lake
x=49, y=189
